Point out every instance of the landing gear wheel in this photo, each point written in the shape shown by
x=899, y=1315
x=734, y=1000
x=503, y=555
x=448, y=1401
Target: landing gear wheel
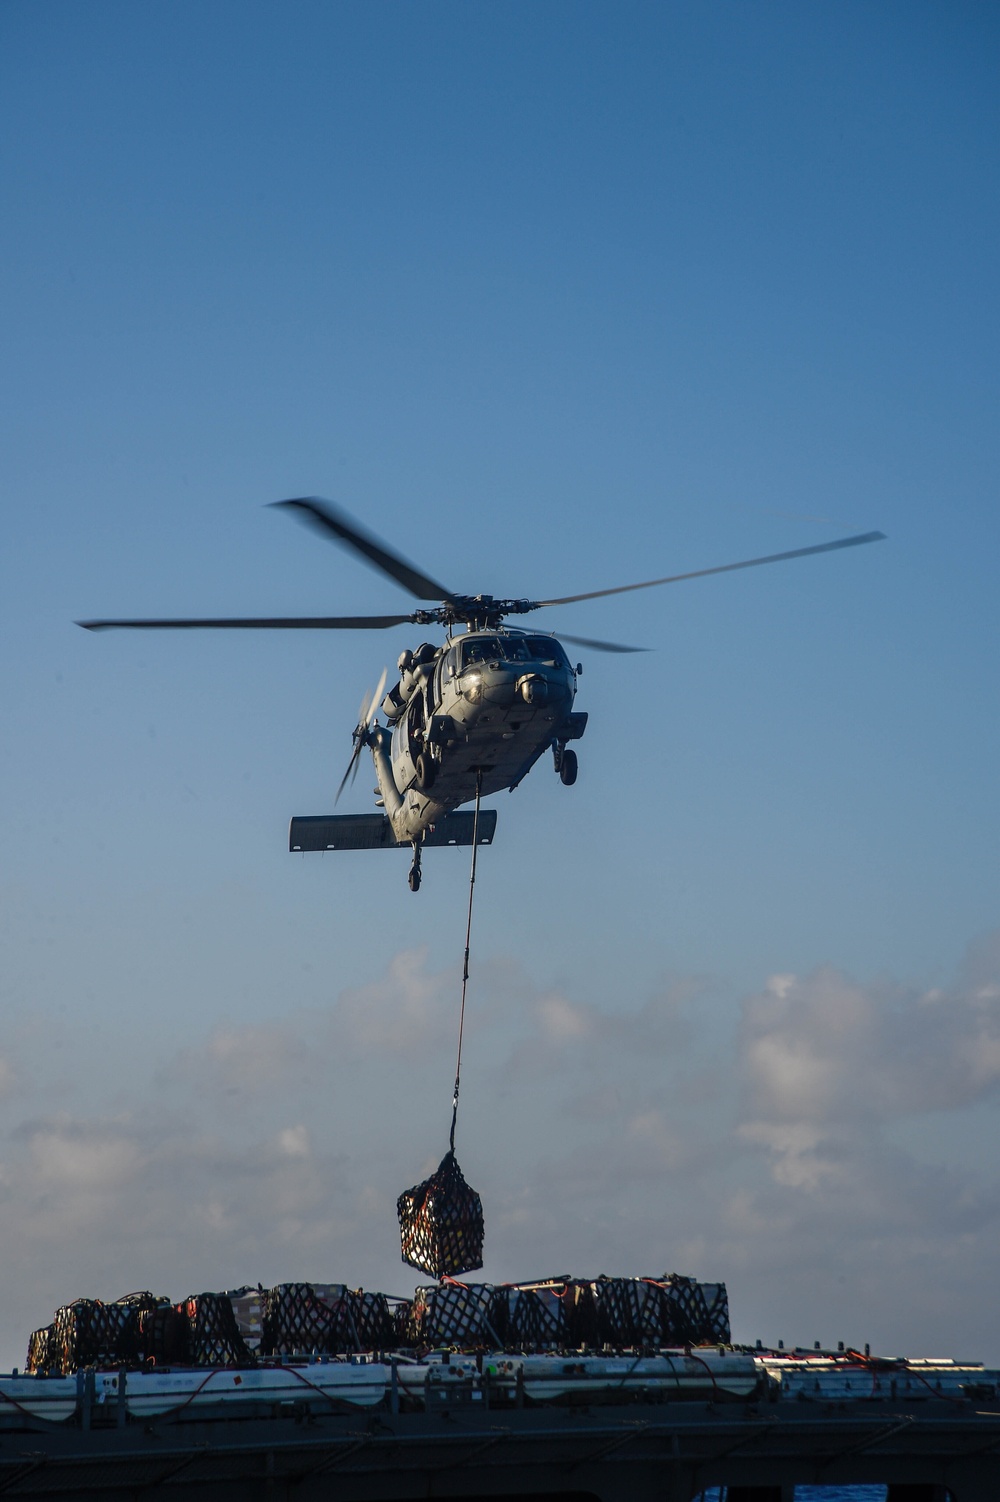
x=568, y=768
x=414, y=878
x=426, y=772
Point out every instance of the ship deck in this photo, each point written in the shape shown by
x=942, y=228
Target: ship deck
x=634, y=1452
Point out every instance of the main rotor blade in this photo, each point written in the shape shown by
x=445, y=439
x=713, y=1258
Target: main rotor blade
x=725, y=568
x=327, y=518
x=599, y=646
x=259, y=623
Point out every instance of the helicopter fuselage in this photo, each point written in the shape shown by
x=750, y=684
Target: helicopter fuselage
x=479, y=710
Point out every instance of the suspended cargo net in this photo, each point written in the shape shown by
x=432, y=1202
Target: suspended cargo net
x=441, y=1223
x=453, y=1314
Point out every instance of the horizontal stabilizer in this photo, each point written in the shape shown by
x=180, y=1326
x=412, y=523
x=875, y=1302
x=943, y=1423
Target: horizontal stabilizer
x=374, y=832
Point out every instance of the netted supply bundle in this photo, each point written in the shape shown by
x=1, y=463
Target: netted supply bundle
x=717, y=1312
x=688, y=1308
x=89, y=1333
x=453, y=1314
x=248, y=1309
x=371, y=1325
x=666, y=1311
x=441, y=1223
x=304, y=1319
x=402, y=1323
x=41, y=1356
x=548, y=1316
x=213, y=1334
x=633, y=1312
x=163, y=1336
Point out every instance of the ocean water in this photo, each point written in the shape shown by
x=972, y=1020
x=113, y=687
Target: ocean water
x=819, y=1494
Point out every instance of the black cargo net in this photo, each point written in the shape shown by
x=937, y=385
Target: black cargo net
x=453, y=1314
x=441, y=1223
x=299, y=1320
x=632, y=1312
x=89, y=1333
x=402, y=1320
x=717, y=1312
x=326, y=1319
x=687, y=1309
x=546, y=1316
x=372, y=1325
x=235, y=1329
x=163, y=1336
x=213, y=1334
x=653, y=1312
x=248, y=1308
x=41, y=1357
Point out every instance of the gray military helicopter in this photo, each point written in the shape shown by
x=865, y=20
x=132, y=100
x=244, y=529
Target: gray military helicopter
x=466, y=718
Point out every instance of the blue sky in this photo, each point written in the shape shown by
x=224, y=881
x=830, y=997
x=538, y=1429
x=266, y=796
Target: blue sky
x=554, y=297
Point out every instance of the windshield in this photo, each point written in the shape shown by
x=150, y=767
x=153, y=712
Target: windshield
x=512, y=649
x=546, y=649
x=480, y=649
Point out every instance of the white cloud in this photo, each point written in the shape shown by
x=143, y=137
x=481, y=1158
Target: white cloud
x=294, y=1141
x=822, y=1048
x=244, y=1058
x=83, y=1160
x=561, y=1021
x=403, y=1012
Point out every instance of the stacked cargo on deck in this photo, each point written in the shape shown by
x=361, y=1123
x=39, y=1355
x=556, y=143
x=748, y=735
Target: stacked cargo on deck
x=570, y=1314
x=239, y=1328
x=327, y=1319
x=249, y=1326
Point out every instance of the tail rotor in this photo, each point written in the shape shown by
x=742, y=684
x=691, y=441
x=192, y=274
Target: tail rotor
x=362, y=732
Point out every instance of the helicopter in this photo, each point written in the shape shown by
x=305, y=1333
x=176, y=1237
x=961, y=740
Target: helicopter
x=467, y=717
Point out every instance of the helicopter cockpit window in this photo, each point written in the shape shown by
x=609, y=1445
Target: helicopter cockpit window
x=515, y=649
x=546, y=649
x=480, y=649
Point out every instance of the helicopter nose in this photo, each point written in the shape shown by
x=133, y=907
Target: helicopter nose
x=533, y=688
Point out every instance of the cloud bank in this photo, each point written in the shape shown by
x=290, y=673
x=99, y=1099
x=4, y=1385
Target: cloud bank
x=825, y=1146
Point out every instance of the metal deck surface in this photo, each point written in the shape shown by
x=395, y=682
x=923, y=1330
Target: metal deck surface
x=635, y=1452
